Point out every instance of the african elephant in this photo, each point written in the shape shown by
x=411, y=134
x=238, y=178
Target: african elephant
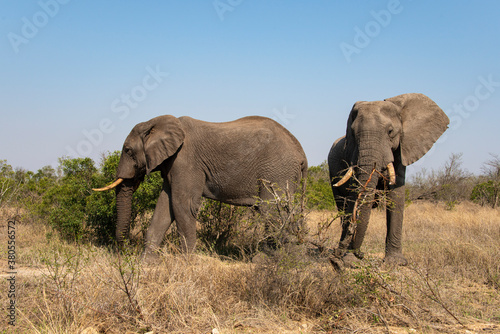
x=222, y=161
x=382, y=138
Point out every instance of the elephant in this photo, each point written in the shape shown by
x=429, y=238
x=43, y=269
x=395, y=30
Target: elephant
x=382, y=138
x=228, y=162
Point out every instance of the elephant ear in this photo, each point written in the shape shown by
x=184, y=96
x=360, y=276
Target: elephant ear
x=423, y=123
x=162, y=138
x=350, y=141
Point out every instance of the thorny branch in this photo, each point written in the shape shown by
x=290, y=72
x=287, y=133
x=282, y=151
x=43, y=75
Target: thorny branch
x=435, y=296
x=289, y=212
x=351, y=228
x=128, y=287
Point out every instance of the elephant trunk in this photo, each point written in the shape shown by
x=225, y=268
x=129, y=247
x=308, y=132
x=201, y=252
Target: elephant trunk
x=124, y=194
x=368, y=179
x=364, y=203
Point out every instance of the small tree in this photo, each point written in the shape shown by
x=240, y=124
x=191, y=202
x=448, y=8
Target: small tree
x=454, y=181
x=489, y=192
x=12, y=184
x=450, y=184
x=64, y=203
x=101, y=206
x=319, y=193
x=69, y=205
x=484, y=193
x=220, y=226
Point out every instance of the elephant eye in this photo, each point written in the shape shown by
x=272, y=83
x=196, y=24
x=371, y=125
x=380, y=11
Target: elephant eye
x=391, y=132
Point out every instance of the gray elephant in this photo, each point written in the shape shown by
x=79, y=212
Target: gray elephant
x=227, y=162
x=382, y=138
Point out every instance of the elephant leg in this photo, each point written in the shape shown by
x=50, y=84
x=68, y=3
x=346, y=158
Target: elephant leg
x=394, y=214
x=162, y=218
x=350, y=256
x=346, y=207
x=363, y=217
x=186, y=211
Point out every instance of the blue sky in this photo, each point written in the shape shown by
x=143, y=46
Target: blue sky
x=76, y=76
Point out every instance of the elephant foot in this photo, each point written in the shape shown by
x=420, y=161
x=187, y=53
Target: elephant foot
x=351, y=260
x=395, y=259
x=150, y=257
x=337, y=263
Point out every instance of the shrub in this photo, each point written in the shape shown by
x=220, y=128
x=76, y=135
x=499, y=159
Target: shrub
x=485, y=193
x=221, y=225
x=319, y=194
x=242, y=231
x=101, y=206
x=12, y=183
x=63, y=204
x=450, y=184
x=69, y=205
x=490, y=190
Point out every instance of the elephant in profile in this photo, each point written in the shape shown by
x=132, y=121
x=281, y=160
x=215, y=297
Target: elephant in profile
x=382, y=138
x=227, y=162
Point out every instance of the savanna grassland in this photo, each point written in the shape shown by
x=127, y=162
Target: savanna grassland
x=252, y=272
x=452, y=284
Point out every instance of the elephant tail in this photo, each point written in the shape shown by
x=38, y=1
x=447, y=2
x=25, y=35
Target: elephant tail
x=303, y=180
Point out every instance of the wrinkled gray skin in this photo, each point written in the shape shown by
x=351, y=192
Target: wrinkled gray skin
x=221, y=161
x=400, y=130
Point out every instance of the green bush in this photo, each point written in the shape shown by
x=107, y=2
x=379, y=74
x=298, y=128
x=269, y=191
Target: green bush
x=14, y=184
x=101, y=206
x=69, y=205
x=7, y=183
x=486, y=193
x=319, y=194
x=63, y=203
x=241, y=232
x=220, y=226
x=64, y=199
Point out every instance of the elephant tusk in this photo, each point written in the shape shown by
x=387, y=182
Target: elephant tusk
x=392, y=174
x=346, y=177
x=111, y=186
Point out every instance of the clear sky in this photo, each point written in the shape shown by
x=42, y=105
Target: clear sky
x=76, y=76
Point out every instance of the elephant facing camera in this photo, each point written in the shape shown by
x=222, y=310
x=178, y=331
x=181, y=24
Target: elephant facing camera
x=382, y=138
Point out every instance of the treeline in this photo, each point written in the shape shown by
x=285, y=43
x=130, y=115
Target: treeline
x=452, y=184
x=63, y=197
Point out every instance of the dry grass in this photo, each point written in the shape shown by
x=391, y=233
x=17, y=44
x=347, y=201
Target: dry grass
x=452, y=284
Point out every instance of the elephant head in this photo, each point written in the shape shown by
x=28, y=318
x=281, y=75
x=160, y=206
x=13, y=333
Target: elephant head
x=386, y=136
x=148, y=145
x=400, y=129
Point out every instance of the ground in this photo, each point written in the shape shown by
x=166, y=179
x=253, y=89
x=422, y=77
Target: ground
x=452, y=284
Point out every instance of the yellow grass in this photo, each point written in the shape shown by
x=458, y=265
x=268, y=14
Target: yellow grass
x=452, y=284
